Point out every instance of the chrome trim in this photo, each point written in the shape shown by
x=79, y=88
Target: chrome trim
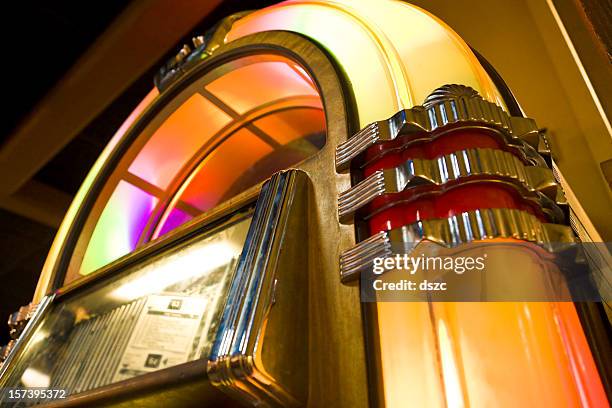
x=482, y=224
x=470, y=163
x=447, y=106
x=353, y=260
x=361, y=194
x=203, y=47
x=18, y=320
x=236, y=363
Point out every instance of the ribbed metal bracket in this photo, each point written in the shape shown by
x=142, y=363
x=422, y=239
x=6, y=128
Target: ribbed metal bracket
x=362, y=255
x=482, y=224
x=203, y=47
x=447, y=106
x=479, y=164
x=33, y=315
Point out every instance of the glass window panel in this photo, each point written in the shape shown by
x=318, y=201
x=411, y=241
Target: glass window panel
x=201, y=155
x=177, y=139
x=119, y=226
x=152, y=315
x=299, y=132
x=296, y=123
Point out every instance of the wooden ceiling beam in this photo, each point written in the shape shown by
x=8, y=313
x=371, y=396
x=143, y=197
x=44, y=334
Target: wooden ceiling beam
x=38, y=202
x=132, y=44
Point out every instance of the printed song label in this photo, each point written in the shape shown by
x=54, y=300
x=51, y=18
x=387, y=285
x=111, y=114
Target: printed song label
x=163, y=336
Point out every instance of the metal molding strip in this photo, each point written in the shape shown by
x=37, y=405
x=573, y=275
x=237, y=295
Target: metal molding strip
x=482, y=224
x=452, y=167
x=203, y=47
x=231, y=363
x=446, y=106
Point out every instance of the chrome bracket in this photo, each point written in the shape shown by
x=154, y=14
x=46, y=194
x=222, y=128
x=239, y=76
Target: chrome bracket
x=482, y=224
x=447, y=106
x=18, y=320
x=203, y=47
x=482, y=164
x=34, y=315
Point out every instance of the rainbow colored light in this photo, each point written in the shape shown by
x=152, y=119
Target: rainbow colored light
x=256, y=110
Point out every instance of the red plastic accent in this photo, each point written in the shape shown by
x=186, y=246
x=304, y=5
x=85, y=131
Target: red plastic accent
x=406, y=208
x=460, y=199
x=392, y=154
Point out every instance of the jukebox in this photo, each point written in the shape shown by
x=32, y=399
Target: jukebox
x=217, y=252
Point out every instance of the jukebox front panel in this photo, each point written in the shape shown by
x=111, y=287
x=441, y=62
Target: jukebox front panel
x=222, y=240
x=222, y=296
x=261, y=348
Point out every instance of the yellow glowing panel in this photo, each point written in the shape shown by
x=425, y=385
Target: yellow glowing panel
x=251, y=86
x=393, y=53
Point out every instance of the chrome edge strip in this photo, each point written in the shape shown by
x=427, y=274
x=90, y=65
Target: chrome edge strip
x=231, y=366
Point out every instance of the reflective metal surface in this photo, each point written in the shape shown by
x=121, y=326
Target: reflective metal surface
x=461, y=166
x=447, y=106
x=462, y=228
x=260, y=352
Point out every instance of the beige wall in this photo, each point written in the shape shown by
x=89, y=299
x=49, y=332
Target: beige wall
x=524, y=42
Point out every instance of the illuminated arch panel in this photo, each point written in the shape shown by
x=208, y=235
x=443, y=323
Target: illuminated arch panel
x=227, y=136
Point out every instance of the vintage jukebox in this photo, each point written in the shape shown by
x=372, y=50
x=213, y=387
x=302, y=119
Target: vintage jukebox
x=213, y=255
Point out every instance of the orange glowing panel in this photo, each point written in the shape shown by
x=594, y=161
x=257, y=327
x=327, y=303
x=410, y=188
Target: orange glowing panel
x=221, y=174
x=283, y=138
x=176, y=140
x=251, y=86
x=486, y=354
x=216, y=177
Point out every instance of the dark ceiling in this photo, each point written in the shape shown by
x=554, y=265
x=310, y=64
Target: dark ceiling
x=41, y=41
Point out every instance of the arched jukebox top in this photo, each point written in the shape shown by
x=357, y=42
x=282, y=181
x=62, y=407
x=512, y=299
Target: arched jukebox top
x=216, y=241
